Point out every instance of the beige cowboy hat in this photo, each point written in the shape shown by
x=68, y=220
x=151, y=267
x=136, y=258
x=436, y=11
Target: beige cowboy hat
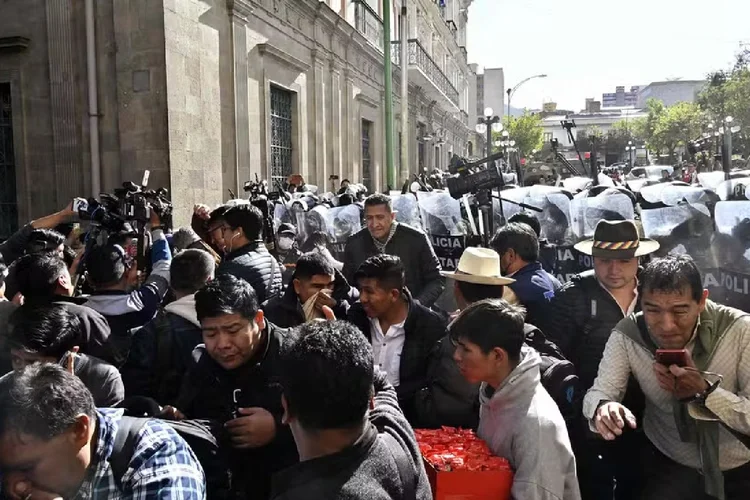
x=480, y=266
x=617, y=240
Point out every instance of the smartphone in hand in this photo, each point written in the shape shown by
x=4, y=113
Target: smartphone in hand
x=669, y=357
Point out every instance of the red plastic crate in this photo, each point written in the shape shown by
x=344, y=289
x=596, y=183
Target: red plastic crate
x=469, y=485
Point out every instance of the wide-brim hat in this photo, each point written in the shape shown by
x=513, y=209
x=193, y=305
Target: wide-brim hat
x=617, y=240
x=480, y=266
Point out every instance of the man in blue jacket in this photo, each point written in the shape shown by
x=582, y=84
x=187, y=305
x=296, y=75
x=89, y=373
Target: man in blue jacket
x=113, y=272
x=518, y=247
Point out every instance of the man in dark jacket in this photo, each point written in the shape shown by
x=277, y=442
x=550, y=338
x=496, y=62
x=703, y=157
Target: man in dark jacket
x=162, y=350
x=402, y=332
x=580, y=321
x=234, y=380
x=346, y=452
x=44, y=279
x=113, y=274
x=315, y=284
x=547, y=251
x=447, y=397
x=247, y=256
x=383, y=235
x=534, y=287
x=47, y=334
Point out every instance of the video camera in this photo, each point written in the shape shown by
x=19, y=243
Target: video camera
x=129, y=203
x=470, y=177
x=260, y=197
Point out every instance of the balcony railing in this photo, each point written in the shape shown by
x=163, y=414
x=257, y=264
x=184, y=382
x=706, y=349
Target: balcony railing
x=368, y=22
x=419, y=58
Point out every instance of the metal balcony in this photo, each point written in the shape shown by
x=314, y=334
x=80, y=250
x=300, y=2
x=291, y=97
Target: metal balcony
x=424, y=72
x=369, y=23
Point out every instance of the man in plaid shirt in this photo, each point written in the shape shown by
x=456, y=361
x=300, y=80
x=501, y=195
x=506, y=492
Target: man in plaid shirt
x=55, y=444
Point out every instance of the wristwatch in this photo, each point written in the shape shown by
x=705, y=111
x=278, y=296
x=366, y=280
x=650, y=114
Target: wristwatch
x=702, y=396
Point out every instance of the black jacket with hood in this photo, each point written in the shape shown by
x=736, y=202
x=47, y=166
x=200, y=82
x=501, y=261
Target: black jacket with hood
x=161, y=352
x=208, y=392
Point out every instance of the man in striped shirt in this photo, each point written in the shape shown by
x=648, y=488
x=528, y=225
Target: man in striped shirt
x=55, y=444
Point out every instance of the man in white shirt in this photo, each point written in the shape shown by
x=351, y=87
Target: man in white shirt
x=403, y=333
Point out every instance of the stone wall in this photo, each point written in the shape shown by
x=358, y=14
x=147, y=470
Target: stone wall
x=199, y=101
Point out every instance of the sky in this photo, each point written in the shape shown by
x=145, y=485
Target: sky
x=588, y=47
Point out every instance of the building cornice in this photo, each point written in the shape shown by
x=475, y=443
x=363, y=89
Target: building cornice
x=269, y=50
x=240, y=9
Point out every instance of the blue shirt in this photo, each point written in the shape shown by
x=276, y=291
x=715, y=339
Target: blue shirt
x=162, y=467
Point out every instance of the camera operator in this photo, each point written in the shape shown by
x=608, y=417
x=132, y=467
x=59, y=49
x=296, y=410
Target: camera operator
x=247, y=256
x=112, y=272
x=14, y=247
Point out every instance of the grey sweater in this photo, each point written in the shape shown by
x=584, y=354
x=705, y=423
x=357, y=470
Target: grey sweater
x=521, y=422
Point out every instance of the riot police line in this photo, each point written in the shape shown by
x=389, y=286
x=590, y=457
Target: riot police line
x=709, y=220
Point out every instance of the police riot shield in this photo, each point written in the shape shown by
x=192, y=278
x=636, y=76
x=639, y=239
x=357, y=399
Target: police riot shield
x=683, y=229
x=407, y=210
x=338, y=223
x=711, y=180
x=586, y=213
x=281, y=215
x=674, y=194
x=441, y=220
x=734, y=189
x=555, y=210
x=730, y=283
x=311, y=223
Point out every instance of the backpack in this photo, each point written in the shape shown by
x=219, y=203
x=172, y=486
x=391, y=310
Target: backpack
x=558, y=374
x=200, y=435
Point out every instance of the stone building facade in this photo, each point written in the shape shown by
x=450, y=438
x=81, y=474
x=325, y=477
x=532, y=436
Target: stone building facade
x=207, y=93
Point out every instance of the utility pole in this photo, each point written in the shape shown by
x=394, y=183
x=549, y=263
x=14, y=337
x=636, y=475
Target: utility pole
x=404, y=29
x=390, y=167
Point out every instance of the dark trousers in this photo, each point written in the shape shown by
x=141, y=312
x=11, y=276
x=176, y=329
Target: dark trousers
x=665, y=479
x=608, y=470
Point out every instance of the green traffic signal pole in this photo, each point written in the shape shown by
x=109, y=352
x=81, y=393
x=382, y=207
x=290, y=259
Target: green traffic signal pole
x=388, y=69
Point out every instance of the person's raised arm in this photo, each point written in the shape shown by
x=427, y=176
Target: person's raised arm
x=13, y=247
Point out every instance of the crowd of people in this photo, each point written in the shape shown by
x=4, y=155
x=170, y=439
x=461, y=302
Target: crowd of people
x=225, y=371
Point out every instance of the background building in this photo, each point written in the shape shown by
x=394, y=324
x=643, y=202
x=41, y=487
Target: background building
x=549, y=107
x=619, y=98
x=592, y=106
x=672, y=92
x=208, y=93
x=603, y=121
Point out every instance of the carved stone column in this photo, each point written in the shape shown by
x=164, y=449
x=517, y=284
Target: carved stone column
x=321, y=125
x=69, y=172
x=239, y=11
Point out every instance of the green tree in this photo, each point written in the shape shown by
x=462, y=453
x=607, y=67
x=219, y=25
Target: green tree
x=728, y=94
x=677, y=126
x=526, y=131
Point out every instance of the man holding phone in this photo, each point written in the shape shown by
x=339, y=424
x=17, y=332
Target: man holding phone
x=691, y=357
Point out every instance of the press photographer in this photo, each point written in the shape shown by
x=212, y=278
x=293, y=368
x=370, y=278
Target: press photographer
x=113, y=273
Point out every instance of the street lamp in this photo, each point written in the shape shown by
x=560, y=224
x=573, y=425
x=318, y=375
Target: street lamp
x=726, y=155
x=631, y=150
x=487, y=125
x=513, y=90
